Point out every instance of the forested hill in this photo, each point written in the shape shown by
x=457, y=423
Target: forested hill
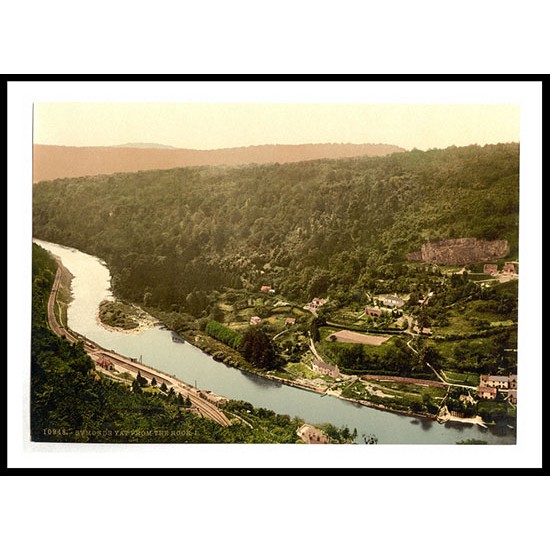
x=310, y=227
x=51, y=161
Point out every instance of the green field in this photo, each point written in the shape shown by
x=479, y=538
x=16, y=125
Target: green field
x=476, y=277
x=466, y=378
x=462, y=319
x=399, y=388
x=405, y=397
x=301, y=370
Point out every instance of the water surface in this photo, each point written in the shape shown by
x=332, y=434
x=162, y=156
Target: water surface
x=155, y=345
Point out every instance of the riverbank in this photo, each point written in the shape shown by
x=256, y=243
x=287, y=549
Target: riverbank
x=477, y=421
x=223, y=354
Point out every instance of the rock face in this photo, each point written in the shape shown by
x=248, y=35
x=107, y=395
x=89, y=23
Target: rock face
x=460, y=251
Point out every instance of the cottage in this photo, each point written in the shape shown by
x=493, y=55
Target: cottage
x=486, y=392
x=513, y=397
x=509, y=268
x=325, y=368
x=290, y=321
x=490, y=269
x=265, y=288
x=311, y=435
x=317, y=302
x=373, y=311
x=392, y=301
x=104, y=363
x=255, y=320
x=513, y=382
x=492, y=381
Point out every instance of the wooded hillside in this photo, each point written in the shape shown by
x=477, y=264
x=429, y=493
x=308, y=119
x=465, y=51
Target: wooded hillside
x=171, y=237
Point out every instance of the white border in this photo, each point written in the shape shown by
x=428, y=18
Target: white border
x=528, y=451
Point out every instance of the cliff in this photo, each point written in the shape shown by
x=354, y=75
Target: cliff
x=461, y=251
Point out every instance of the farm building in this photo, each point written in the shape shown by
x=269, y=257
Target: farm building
x=373, y=311
x=104, y=363
x=310, y=434
x=492, y=381
x=485, y=392
x=391, y=301
x=325, y=368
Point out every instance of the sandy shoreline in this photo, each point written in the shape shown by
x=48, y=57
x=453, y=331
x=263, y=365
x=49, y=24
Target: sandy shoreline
x=144, y=320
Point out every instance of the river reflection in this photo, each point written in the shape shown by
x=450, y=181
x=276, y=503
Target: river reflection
x=260, y=381
x=426, y=424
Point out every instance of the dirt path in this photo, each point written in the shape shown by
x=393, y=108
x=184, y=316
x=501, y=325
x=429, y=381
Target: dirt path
x=350, y=337
x=313, y=350
x=428, y=365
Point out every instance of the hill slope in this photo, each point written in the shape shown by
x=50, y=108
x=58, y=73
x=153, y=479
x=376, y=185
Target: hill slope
x=52, y=162
x=306, y=228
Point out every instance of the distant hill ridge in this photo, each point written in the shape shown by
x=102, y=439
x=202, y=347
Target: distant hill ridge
x=53, y=161
x=146, y=146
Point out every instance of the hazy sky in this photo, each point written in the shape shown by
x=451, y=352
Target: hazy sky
x=218, y=125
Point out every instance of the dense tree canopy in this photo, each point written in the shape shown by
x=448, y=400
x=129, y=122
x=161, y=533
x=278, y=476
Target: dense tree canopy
x=171, y=237
x=257, y=348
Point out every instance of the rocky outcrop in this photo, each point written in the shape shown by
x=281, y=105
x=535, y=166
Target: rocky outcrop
x=460, y=251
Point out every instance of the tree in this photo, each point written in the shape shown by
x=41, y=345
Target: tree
x=257, y=348
x=431, y=407
x=318, y=285
x=314, y=330
x=142, y=381
x=163, y=387
x=216, y=313
x=154, y=382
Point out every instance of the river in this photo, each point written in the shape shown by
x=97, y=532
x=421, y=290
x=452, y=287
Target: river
x=91, y=285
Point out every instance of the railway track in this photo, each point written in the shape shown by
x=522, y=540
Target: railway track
x=99, y=355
